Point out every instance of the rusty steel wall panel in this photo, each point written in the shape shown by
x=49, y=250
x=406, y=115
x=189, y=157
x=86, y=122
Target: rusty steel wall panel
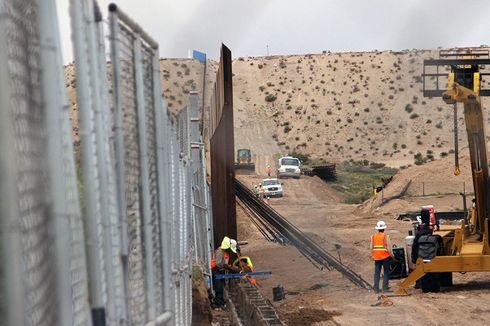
x=222, y=150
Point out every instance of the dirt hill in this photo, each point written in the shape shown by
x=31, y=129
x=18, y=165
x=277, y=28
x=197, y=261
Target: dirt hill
x=341, y=106
x=332, y=106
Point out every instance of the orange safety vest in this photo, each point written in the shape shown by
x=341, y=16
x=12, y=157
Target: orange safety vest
x=251, y=279
x=380, y=246
x=226, y=256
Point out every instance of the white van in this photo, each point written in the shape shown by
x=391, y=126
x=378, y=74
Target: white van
x=288, y=166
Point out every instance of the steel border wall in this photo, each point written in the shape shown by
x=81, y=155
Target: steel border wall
x=222, y=151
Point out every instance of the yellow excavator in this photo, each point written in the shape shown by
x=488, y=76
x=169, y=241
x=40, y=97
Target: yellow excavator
x=465, y=247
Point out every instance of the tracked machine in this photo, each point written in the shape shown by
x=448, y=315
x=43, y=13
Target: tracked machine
x=244, y=164
x=465, y=247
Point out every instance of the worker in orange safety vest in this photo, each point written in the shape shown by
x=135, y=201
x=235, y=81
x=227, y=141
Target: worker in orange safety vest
x=245, y=265
x=381, y=253
x=220, y=263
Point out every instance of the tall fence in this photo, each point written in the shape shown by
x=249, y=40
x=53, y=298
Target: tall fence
x=222, y=150
x=113, y=239
x=201, y=200
x=44, y=275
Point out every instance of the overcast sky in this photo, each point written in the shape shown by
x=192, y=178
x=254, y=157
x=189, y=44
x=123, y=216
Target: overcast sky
x=247, y=27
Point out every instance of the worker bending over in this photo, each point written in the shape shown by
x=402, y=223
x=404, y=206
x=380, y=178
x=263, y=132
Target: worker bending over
x=220, y=264
x=381, y=253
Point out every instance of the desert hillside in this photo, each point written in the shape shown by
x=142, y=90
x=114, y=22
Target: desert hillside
x=332, y=106
x=178, y=78
x=342, y=106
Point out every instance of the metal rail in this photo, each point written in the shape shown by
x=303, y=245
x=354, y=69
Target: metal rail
x=310, y=249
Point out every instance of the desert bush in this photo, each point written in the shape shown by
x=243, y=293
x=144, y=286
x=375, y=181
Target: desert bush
x=414, y=116
x=419, y=159
x=270, y=98
x=409, y=108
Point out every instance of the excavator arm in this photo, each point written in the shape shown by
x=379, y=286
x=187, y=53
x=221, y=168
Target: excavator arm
x=467, y=252
x=477, y=147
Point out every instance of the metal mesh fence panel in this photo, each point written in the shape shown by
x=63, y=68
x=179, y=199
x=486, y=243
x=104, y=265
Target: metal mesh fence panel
x=31, y=220
x=147, y=56
x=136, y=286
x=129, y=257
x=100, y=200
x=45, y=278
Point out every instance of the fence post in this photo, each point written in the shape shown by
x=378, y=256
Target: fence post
x=91, y=188
x=145, y=189
x=163, y=151
x=118, y=131
x=65, y=207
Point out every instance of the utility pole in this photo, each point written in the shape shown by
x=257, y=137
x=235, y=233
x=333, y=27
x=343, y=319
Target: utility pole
x=267, y=47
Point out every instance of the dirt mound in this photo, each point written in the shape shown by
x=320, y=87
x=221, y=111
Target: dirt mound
x=308, y=316
x=431, y=179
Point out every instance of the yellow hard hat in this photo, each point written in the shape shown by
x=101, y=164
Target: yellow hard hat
x=225, y=244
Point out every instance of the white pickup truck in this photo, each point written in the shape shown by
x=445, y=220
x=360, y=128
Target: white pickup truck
x=289, y=166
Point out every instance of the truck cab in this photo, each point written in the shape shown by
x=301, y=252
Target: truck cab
x=289, y=166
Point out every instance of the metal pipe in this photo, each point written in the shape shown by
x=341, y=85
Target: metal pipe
x=118, y=131
x=84, y=98
x=98, y=87
x=113, y=8
x=57, y=123
x=145, y=176
x=163, y=319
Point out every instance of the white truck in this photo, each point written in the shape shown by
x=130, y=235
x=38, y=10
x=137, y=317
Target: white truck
x=289, y=166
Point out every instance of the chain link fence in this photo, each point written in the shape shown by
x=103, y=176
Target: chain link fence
x=109, y=241
x=42, y=238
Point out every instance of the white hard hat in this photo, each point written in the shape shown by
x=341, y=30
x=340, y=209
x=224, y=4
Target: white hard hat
x=233, y=245
x=381, y=225
x=419, y=219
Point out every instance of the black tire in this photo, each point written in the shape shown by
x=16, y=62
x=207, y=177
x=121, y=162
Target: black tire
x=430, y=283
x=446, y=279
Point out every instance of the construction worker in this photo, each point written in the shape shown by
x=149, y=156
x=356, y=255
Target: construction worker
x=423, y=229
x=219, y=265
x=261, y=191
x=381, y=253
x=244, y=264
x=269, y=170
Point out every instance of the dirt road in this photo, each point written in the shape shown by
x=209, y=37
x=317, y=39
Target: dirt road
x=314, y=207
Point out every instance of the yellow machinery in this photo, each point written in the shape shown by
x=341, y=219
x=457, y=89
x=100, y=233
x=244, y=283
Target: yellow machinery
x=244, y=161
x=465, y=247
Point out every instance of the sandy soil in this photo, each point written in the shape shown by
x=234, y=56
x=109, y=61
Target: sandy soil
x=311, y=205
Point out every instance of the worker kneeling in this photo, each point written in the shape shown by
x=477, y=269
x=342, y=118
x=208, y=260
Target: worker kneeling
x=244, y=263
x=381, y=253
